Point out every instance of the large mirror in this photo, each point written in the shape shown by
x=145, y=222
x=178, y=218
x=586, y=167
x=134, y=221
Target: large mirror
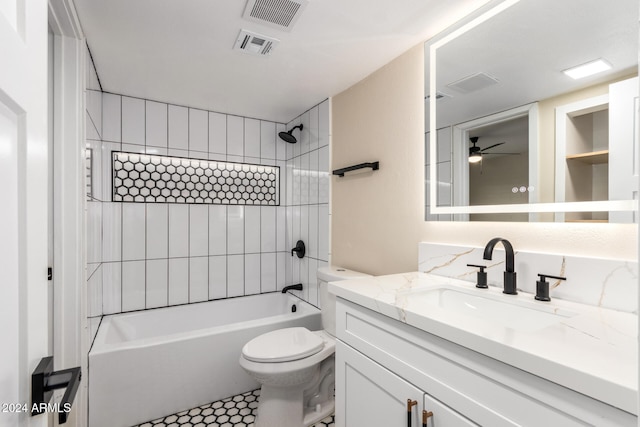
x=513, y=134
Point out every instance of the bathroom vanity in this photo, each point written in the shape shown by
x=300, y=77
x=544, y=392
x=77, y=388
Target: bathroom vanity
x=419, y=348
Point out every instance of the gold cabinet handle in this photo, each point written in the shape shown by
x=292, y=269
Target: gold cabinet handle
x=410, y=405
x=425, y=416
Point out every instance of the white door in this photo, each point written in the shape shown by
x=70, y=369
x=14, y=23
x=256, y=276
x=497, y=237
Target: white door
x=23, y=205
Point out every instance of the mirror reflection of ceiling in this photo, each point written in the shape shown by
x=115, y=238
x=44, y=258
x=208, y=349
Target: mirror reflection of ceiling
x=526, y=48
x=512, y=135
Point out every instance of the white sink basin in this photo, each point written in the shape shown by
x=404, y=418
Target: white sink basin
x=514, y=314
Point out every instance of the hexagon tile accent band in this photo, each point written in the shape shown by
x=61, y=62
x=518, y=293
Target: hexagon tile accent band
x=160, y=179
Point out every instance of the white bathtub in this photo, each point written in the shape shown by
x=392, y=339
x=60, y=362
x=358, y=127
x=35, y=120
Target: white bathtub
x=147, y=364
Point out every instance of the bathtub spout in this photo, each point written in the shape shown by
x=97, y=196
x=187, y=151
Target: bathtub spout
x=297, y=287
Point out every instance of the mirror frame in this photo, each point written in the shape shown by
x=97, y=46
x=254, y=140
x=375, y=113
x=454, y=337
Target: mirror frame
x=482, y=15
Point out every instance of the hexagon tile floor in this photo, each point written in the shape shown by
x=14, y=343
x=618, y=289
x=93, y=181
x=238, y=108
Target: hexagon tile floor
x=235, y=411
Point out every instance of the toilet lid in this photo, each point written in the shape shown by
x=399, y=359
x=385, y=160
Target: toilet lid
x=283, y=345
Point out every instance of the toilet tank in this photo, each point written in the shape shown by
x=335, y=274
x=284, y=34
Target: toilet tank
x=327, y=300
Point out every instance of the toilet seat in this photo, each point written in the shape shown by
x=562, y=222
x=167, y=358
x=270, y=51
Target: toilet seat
x=283, y=345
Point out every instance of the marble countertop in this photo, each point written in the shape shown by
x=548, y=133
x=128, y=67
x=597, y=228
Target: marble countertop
x=593, y=351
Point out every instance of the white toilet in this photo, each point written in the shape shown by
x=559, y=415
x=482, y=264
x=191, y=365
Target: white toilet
x=296, y=366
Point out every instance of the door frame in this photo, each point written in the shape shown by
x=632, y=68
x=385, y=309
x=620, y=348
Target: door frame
x=460, y=156
x=70, y=339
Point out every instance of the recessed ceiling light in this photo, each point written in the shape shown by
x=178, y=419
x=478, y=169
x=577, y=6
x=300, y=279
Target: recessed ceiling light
x=588, y=69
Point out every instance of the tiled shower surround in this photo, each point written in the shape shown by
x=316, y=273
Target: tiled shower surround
x=148, y=255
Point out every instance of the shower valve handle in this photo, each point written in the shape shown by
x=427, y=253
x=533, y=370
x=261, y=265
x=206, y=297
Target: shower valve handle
x=299, y=249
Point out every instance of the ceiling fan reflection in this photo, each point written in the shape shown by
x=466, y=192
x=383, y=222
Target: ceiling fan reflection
x=476, y=153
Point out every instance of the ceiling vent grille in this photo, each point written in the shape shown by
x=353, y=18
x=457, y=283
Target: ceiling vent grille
x=254, y=43
x=281, y=14
x=473, y=83
x=439, y=95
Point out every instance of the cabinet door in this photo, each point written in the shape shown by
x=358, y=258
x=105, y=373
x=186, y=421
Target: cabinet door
x=623, y=144
x=368, y=395
x=443, y=416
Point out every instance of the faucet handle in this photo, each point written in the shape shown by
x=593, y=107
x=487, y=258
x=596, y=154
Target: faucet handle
x=300, y=249
x=481, y=276
x=542, y=286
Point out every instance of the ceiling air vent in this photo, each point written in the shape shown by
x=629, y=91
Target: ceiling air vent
x=254, y=43
x=439, y=95
x=280, y=14
x=473, y=82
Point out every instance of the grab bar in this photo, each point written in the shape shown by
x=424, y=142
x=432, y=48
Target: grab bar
x=373, y=165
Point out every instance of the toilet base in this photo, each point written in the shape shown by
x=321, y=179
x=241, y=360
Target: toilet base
x=313, y=415
x=284, y=407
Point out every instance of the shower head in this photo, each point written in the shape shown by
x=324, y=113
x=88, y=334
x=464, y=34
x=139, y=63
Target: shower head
x=287, y=136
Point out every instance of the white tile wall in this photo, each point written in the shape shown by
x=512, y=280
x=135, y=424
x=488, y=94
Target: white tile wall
x=156, y=124
x=281, y=227
x=94, y=180
x=178, y=231
x=157, y=283
x=91, y=76
x=94, y=109
x=106, y=157
x=178, y=281
x=235, y=275
x=198, y=279
x=91, y=131
x=268, y=229
x=112, y=288
x=94, y=287
x=198, y=230
x=217, y=277
x=133, y=231
x=178, y=127
x=267, y=140
x=252, y=274
x=157, y=233
x=155, y=255
x=235, y=229
x=133, y=285
x=198, y=130
x=235, y=136
x=94, y=212
x=111, y=231
x=94, y=219
x=133, y=122
x=252, y=229
x=281, y=148
x=217, y=133
x=282, y=277
x=252, y=138
x=268, y=272
x=307, y=195
x=217, y=230
x=111, y=117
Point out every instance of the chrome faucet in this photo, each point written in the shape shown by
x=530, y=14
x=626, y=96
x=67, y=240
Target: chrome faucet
x=509, y=273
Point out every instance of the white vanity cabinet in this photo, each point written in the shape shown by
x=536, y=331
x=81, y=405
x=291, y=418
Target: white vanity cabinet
x=381, y=363
x=375, y=396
